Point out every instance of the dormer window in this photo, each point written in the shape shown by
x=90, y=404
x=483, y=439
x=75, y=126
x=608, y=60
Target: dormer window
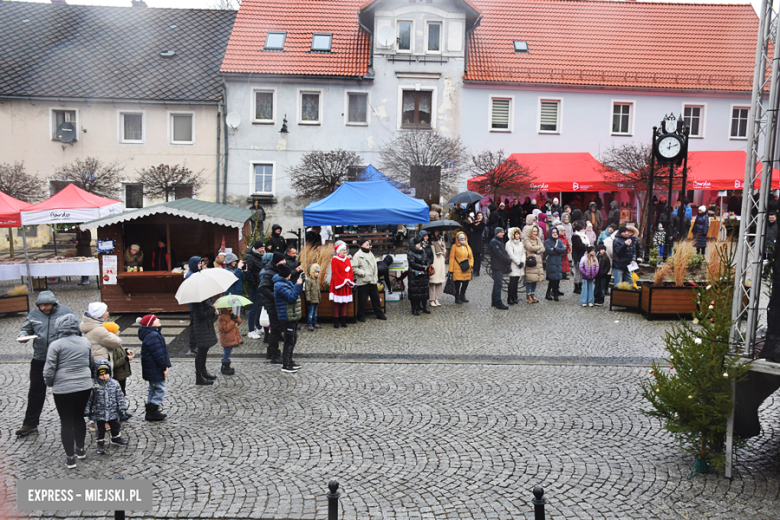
x=274, y=41
x=521, y=47
x=321, y=42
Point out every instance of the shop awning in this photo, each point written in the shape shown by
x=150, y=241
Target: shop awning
x=556, y=172
x=720, y=170
x=9, y=211
x=220, y=214
x=366, y=203
x=70, y=206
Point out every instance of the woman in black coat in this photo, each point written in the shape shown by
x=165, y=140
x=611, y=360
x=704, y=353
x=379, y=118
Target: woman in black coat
x=418, y=276
x=475, y=233
x=554, y=249
x=204, y=314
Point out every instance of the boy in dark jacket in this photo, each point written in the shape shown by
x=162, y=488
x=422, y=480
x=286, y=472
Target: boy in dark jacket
x=106, y=405
x=155, y=363
x=287, y=298
x=602, y=279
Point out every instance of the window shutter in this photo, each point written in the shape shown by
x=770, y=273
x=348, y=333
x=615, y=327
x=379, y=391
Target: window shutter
x=500, y=114
x=549, y=119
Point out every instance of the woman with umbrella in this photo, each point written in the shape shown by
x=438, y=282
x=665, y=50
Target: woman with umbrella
x=436, y=281
x=418, y=276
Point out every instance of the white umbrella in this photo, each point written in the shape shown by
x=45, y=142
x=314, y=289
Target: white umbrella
x=205, y=284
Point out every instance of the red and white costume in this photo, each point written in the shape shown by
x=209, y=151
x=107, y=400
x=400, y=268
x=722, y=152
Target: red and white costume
x=341, y=277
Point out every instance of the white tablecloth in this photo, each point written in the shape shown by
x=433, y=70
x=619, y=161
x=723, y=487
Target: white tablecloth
x=86, y=268
x=9, y=272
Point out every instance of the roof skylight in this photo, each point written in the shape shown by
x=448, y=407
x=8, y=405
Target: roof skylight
x=321, y=42
x=521, y=46
x=274, y=41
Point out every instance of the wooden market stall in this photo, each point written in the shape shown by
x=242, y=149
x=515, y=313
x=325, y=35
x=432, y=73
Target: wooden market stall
x=189, y=228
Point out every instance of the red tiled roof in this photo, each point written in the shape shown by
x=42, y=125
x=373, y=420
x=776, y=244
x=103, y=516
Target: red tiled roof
x=617, y=44
x=350, y=48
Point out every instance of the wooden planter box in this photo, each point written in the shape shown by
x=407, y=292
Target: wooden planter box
x=668, y=301
x=14, y=304
x=325, y=309
x=624, y=298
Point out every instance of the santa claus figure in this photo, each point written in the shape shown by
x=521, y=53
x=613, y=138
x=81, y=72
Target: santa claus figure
x=342, y=281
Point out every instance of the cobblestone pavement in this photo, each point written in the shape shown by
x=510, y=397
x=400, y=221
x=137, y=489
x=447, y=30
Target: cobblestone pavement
x=450, y=416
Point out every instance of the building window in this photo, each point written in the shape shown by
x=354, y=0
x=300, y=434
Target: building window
x=621, y=118
x=321, y=42
x=739, y=122
x=182, y=128
x=405, y=36
x=182, y=191
x=59, y=117
x=500, y=114
x=274, y=41
x=549, y=116
x=134, y=195
x=416, y=111
x=693, y=117
x=357, y=108
x=264, y=106
x=521, y=46
x=131, y=125
x=434, y=37
x=311, y=108
x=263, y=178
x=28, y=231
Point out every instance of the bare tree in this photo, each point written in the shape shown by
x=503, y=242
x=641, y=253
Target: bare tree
x=319, y=173
x=628, y=166
x=93, y=176
x=160, y=182
x=17, y=183
x=227, y=5
x=499, y=175
x=422, y=148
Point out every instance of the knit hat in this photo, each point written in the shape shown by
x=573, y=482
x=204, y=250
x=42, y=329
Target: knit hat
x=276, y=258
x=363, y=240
x=622, y=229
x=111, y=327
x=147, y=320
x=339, y=246
x=555, y=200
x=136, y=247
x=498, y=230
x=103, y=368
x=557, y=222
x=258, y=244
x=96, y=310
x=703, y=208
x=589, y=225
x=283, y=271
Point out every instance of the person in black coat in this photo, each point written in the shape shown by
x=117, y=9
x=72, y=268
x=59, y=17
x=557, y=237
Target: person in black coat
x=253, y=262
x=500, y=262
x=614, y=214
x=266, y=291
x=418, y=276
x=313, y=237
x=204, y=315
x=554, y=249
x=277, y=243
x=476, y=231
x=669, y=223
x=383, y=271
x=623, y=252
x=516, y=216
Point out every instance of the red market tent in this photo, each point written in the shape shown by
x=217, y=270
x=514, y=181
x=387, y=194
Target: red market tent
x=9, y=211
x=720, y=170
x=560, y=172
x=71, y=205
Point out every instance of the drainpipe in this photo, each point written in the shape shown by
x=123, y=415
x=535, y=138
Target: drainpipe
x=370, y=74
x=225, y=162
x=466, y=43
x=219, y=128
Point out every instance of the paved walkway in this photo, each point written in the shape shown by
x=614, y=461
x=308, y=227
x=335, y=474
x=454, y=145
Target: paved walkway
x=458, y=415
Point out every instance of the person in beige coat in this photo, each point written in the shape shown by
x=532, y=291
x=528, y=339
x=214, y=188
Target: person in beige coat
x=104, y=344
x=534, y=247
x=436, y=281
x=366, y=278
x=516, y=251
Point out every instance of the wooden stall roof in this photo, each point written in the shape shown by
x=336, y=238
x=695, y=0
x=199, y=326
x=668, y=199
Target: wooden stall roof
x=220, y=214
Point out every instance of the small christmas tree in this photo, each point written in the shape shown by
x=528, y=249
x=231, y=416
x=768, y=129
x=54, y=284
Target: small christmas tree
x=693, y=396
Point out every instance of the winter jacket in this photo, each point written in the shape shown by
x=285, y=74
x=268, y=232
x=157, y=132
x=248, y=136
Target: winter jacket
x=277, y=243
x=605, y=266
x=534, y=246
x=578, y=246
x=418, y=277
x=254, y=264
x=69, y=361
x=516, y=251
x=266, y=287
x=160, y=259
x=154, y=354
x=439, y=266
x=43, y=325
x=499, y=260
x=287, y=298
x=476, y=231
x=622, y=254
x=194, y=266
x=659, y=238
x=603, y=236
x=229, y=335
x=104, y=344
x=516, y=215
x=589, y=272
x=771, y=234
x=577, y=216
x=203, y=317
x=383, y=271
x=122, y=369
x=106, y=402
x=700, y=228
x=554, y=249
x=459, y=253
x=132, y=260
x=530, y=222
x=364, y=266
x=83, y=243
x=312, y=289
x=293, y=263
x=592, y=214
x=614, y=214
x=238, y=287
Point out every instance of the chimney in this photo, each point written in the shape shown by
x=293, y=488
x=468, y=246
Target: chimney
x=138, y=3
x=59, y=2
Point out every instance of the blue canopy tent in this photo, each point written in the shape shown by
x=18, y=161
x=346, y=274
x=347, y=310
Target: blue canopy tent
x=372, y=174
x=363, y=203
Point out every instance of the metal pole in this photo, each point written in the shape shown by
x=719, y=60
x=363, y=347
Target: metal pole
x=27, y=264
x=671, y=184
x=539, y=502
x=683, y=197
x=219, y=129
x=649, y=216
x=333, y=500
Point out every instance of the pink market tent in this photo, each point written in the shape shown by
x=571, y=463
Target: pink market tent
x=9, y=211
x=720, y=170
x=72, y=205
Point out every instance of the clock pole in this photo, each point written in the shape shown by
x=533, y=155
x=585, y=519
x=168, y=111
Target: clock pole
x=684, y=131
x=648, y=203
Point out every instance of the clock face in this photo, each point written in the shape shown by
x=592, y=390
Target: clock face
x=670, y=125
x=669, y=147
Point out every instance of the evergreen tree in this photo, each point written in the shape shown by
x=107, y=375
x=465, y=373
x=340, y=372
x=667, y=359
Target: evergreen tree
x=693, y=396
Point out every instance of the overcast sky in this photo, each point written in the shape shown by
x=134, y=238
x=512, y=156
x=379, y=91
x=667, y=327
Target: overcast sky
x=205, y=4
